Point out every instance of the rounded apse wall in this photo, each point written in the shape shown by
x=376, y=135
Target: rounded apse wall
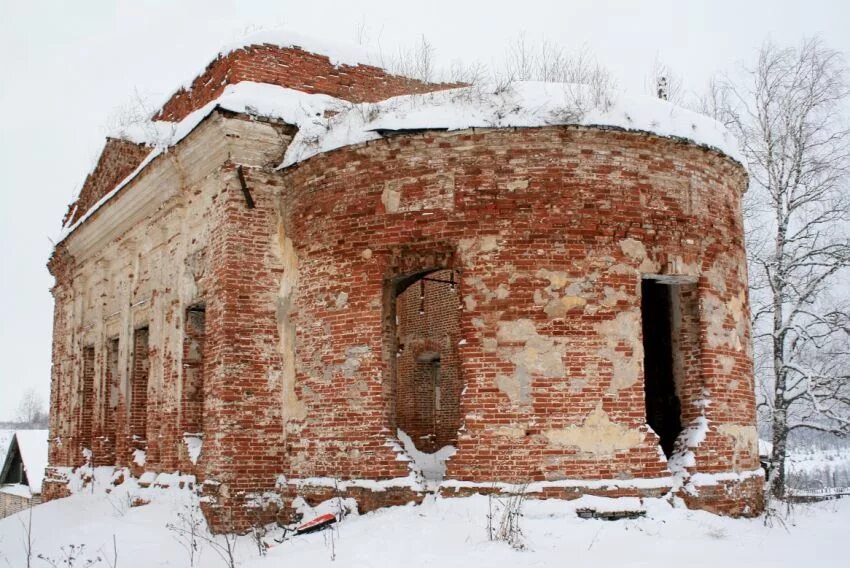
x=553, y=232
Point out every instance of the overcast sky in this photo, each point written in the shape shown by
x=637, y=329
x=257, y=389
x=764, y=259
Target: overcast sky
x=66, y=66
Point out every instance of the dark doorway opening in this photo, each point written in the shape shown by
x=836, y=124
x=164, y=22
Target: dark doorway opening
x=663, y=408
x=425, y=333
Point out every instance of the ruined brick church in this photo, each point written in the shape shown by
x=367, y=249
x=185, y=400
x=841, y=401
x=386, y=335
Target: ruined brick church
x=283, y=309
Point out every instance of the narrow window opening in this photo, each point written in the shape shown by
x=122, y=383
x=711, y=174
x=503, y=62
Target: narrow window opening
x=139, y=385
x=111, y=391
x=87, y=398
x=193, y=370
x=663, y=408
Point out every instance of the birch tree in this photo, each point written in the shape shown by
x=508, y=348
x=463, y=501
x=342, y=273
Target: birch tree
x=791, y=118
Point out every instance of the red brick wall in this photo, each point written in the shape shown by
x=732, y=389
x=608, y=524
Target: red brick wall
x=61, y=265
x=117, y=160
x=87, y=400
x=192, y=403
x=293, y=68
x=139, y=387
x=549, y=230
x=244, y=441
x=436, y=331
x=552, y=229
x=107, y=424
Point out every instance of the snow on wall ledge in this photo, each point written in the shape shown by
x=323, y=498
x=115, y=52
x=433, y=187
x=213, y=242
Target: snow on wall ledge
x=326, y=123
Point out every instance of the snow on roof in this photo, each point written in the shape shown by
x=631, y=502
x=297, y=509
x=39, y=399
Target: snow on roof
x=522, y=104
x=33, y=447
x=16, y=489
x=257, y=99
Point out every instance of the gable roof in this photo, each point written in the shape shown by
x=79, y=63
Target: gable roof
x=5, y=440
x=31, y=446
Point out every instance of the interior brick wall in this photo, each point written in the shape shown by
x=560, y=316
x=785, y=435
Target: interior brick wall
x=686, y=349
x=87, y=400
x=192, y=401
x=139, y=388
x=424, y=335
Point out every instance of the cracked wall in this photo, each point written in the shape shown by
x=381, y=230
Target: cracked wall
x=553, y=230
x=549, y=231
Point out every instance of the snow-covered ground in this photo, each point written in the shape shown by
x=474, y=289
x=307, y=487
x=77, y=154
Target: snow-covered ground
x=440, y=532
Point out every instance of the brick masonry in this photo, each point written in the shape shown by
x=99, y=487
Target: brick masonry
x=117, y=160
x=310, y=351
x=293, y=68
x=11, y=503
x=427, y=365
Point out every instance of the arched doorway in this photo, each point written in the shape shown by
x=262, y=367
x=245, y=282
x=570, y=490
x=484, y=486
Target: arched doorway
x=428, y=384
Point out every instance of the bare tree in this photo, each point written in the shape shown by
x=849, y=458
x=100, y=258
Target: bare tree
x=665, y=83
x=416, y=61
x=791, y=118
x=588, y=84
x=27, y=539
x=31, y=411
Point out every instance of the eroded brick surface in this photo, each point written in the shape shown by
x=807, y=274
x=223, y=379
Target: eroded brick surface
x=293, y=68
x=289, y=336
x=117, y=160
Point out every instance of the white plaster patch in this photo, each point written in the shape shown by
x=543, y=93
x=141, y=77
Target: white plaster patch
x=470, y=248
x=293, y=408
x=727, y=363
x=537, y=355
x=557, y=279
x=623, y=329
x=598, y=435
x=633, y=249
x=716, y=313
x=516, y=184
x=390, y=198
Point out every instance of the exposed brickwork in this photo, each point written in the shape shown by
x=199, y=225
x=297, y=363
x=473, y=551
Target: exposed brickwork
x=87, y=400
x=734, y=498
x=117, y=160
x=294, y=368
x=293, y=68
x=192, y=398
x=11, y=503
x=289, y=67
x=139, y=387
x=427, y=368
x=104, y=442
x=552, y=240
x=367, y=500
